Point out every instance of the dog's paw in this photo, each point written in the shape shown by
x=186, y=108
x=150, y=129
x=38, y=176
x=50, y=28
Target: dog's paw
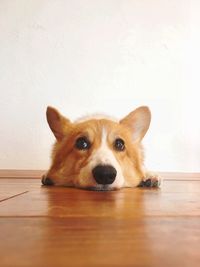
x=46, y=180
x=151, y=180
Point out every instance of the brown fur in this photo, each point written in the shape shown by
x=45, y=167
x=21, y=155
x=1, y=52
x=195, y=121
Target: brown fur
x=67, y=161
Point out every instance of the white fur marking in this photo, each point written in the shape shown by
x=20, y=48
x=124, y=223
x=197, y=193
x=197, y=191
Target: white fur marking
x=105, y=156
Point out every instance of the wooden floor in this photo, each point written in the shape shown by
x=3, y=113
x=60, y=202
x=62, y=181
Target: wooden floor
x=48, y=226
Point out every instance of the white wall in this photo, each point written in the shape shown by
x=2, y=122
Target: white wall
x=105, y=56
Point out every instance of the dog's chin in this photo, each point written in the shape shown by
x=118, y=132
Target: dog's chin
x=100, y=188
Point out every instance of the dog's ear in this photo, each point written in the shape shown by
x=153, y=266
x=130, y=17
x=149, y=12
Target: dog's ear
x=57, y=123
x=138, y=121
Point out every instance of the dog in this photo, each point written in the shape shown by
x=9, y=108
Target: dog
x=99, y=153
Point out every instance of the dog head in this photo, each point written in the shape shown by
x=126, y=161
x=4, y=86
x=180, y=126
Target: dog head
x=98, y=153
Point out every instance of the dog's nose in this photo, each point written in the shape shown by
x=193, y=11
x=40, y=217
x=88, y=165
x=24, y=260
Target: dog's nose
x=104, y=174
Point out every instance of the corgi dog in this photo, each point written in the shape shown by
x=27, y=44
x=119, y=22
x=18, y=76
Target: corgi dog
x=99, y=153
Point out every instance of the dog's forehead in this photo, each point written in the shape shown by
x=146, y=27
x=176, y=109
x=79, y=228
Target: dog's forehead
x=97, y=117
x=100, y=127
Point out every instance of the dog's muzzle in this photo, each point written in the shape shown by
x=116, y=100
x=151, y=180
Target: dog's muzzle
x=104, y=174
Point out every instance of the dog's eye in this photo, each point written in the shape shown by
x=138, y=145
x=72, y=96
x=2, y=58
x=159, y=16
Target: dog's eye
x=119, y=144
x=82, y=143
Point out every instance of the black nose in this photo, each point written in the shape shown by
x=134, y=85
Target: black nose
x=104, y=174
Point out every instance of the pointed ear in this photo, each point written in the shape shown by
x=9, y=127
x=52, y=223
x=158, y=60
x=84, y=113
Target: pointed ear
x=138, y=121
x=57, y=123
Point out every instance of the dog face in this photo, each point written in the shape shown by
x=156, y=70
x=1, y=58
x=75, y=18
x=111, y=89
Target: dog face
x=98, y=153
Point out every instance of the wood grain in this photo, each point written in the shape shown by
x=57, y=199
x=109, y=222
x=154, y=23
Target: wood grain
x=54, y=226
x=18, y=174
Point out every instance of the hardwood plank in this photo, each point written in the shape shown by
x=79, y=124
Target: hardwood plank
x=11, y=173
x=19, y=183
x=173, y=199
x=8, y=195
x=142, y=242
x=10, y=188
x=56, y=226
x=180, y=176
x=13, y=196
